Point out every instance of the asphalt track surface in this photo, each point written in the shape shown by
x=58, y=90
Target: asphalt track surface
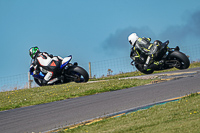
x=45, y=117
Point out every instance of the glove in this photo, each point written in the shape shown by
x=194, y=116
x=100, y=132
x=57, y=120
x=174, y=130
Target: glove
x=31, y=69
x=149, y=39
x=51, y=55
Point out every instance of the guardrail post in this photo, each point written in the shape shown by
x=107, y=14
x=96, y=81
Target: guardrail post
x=29, y=80
x=90, y=72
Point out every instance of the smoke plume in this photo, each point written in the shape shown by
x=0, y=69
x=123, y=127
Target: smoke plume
x=181, y=33
x=118, y=41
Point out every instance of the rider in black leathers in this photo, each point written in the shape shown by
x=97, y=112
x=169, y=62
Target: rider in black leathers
x=141, y=48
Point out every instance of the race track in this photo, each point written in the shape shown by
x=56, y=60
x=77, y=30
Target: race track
x=45, y=117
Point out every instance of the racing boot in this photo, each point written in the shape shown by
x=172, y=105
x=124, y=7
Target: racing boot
x=158, y=64
x=52, y=81
x=161, y=62
x=145, y=66
x=155, y=65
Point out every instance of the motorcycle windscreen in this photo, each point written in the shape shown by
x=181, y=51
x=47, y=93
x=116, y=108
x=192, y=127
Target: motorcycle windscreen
x=65, y=61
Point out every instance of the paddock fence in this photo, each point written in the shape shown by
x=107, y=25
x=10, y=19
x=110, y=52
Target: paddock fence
x=95, y=69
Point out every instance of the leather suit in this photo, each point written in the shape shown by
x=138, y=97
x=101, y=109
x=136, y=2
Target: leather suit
x=46, y=63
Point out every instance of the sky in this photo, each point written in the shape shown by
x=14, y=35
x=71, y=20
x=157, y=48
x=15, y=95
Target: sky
x=91, y=30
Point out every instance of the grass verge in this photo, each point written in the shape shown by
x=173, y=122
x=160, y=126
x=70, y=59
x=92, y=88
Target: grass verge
x=39, y=95
x=137, y=73
x=180, y=116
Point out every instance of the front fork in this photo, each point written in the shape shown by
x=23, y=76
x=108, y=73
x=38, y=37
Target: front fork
x=148, y=60
x=133, y=63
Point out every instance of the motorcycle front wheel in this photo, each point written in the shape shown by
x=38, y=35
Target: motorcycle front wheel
x=38, y=82
x=140, y=67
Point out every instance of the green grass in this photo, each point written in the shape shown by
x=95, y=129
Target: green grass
x=182, y=116
x=39, y=95
x=137, y=73
x=195, y=64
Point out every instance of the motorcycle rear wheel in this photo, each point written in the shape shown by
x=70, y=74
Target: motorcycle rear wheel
x=183, y=61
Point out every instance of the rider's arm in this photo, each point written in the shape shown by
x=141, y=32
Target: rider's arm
x=149, y=39
x=35, y=67
x=134, y=54
x=50, y=55
x=143, y=45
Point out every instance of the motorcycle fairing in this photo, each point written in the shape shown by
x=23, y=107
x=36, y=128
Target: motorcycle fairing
x=65, y=61
x=39, y=76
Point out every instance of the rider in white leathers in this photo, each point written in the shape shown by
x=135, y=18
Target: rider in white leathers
x=44, y=62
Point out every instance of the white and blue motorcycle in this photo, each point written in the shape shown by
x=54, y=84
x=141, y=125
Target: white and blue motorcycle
x=67, y=72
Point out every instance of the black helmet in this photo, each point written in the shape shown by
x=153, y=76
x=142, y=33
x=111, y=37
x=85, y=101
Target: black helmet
x=33, y=51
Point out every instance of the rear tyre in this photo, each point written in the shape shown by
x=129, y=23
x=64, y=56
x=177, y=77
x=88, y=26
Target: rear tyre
x=182, y=60
x=80, y=75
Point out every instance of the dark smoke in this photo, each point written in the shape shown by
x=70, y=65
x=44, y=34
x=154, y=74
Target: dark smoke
x=194, y=24
x=181, y=33
x=176, y=34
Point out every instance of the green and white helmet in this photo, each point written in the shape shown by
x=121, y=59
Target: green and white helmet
x=33, y=52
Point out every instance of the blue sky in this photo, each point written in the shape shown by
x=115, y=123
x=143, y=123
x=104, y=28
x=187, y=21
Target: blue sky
x=91, y=30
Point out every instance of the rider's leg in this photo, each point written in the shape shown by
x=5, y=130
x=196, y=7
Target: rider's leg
x=52, y=68
x=47, y=77
x=156, y=65
x=148, y=61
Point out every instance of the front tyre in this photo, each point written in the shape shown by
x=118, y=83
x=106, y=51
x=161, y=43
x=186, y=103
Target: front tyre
x=182, y=60
x=80, y=75
x=37, y=81
x=140, y=67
